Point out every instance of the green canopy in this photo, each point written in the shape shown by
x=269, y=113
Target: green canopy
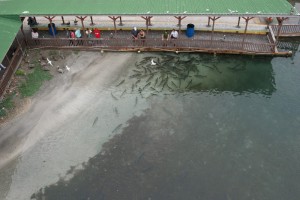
x=8, y=31
x=143, y=7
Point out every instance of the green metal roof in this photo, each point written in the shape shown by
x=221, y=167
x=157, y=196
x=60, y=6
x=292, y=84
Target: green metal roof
x=151, y=7
x=9, y=29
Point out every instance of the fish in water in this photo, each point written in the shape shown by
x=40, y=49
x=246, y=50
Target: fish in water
x=139, y=80
x=136, y=101
x=123, y=93
x=150, y=78
x=173, y=83
x=121, y=83
x=188, y=85
x=200, y=76
x=217, y=69
x=146, y=85
x=139, y=158
x=117, y=128
x=116, y=111
x=113, y=96
x=95, y=121
x=156, y=81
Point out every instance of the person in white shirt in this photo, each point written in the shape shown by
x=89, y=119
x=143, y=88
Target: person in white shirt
x=174, y=34
x=34, y=34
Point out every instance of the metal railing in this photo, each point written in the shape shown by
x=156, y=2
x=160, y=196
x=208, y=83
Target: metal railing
x=153, y=44
x=10, y=69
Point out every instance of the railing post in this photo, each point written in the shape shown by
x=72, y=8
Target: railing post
x=247, y=19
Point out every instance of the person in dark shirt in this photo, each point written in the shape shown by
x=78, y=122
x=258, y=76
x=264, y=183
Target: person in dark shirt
x=134, y=33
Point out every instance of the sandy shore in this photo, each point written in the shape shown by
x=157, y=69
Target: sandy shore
x=56, y=102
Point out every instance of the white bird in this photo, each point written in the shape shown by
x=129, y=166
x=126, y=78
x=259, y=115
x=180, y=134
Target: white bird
x=49, y=62
x=148, y=12
x=185, y=12
x=152, y=62
x=167, y=11
x=207, y=9
x=68, y=68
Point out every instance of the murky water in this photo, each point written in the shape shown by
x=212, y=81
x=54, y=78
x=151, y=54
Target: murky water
x=193, y=126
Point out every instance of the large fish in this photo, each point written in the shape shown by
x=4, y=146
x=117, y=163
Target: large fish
x=95, y=121
x=117, y=128
x=121, y=83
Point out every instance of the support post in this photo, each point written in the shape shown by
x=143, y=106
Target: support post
x=247, y=19
x=50, y=20
x=22, y=31
x=214, y=19
x=238, y=25
x=180, y=18
x=148, y=23
x=121, y=23
x=208, y=23
x=114, y=19
x=92, y=22
x=63, y=20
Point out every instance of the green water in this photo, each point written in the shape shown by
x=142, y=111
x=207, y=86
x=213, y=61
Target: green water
x=232, y=134
x=193, y=126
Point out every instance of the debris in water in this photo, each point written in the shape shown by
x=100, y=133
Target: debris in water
x=95, y=121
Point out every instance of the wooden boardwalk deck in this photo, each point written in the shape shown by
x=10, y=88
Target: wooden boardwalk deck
x=232, y=43
x=287, y=30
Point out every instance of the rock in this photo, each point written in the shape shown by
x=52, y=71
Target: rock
x=31, y=66
x=60, y=70
x=43, y=64
x=45, y=68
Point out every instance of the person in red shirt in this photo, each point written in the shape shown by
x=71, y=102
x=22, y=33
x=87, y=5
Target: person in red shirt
x=97, y=33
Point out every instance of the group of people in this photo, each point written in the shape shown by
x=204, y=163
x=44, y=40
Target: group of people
x=140, y=34
x=77, y=34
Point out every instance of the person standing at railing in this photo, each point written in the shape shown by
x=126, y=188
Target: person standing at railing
x=165, y=38
x=72, y=37
x=174, y=36
x=97, y=34
x=142, y=35
x=134, y=33
x=78, y=36
x=35, y=35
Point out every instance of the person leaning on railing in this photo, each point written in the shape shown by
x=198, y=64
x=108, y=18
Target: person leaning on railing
x=165, y=38
x=35, y=35
x=174, y=36
x=142, y=36
x=97, y=34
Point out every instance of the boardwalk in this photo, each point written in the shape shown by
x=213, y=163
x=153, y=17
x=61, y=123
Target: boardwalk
x=287, y=30
x=200, y=42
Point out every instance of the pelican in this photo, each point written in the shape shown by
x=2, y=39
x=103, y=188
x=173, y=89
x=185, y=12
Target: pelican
x=49, y=62
x=67, y=68
x=152, y=62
